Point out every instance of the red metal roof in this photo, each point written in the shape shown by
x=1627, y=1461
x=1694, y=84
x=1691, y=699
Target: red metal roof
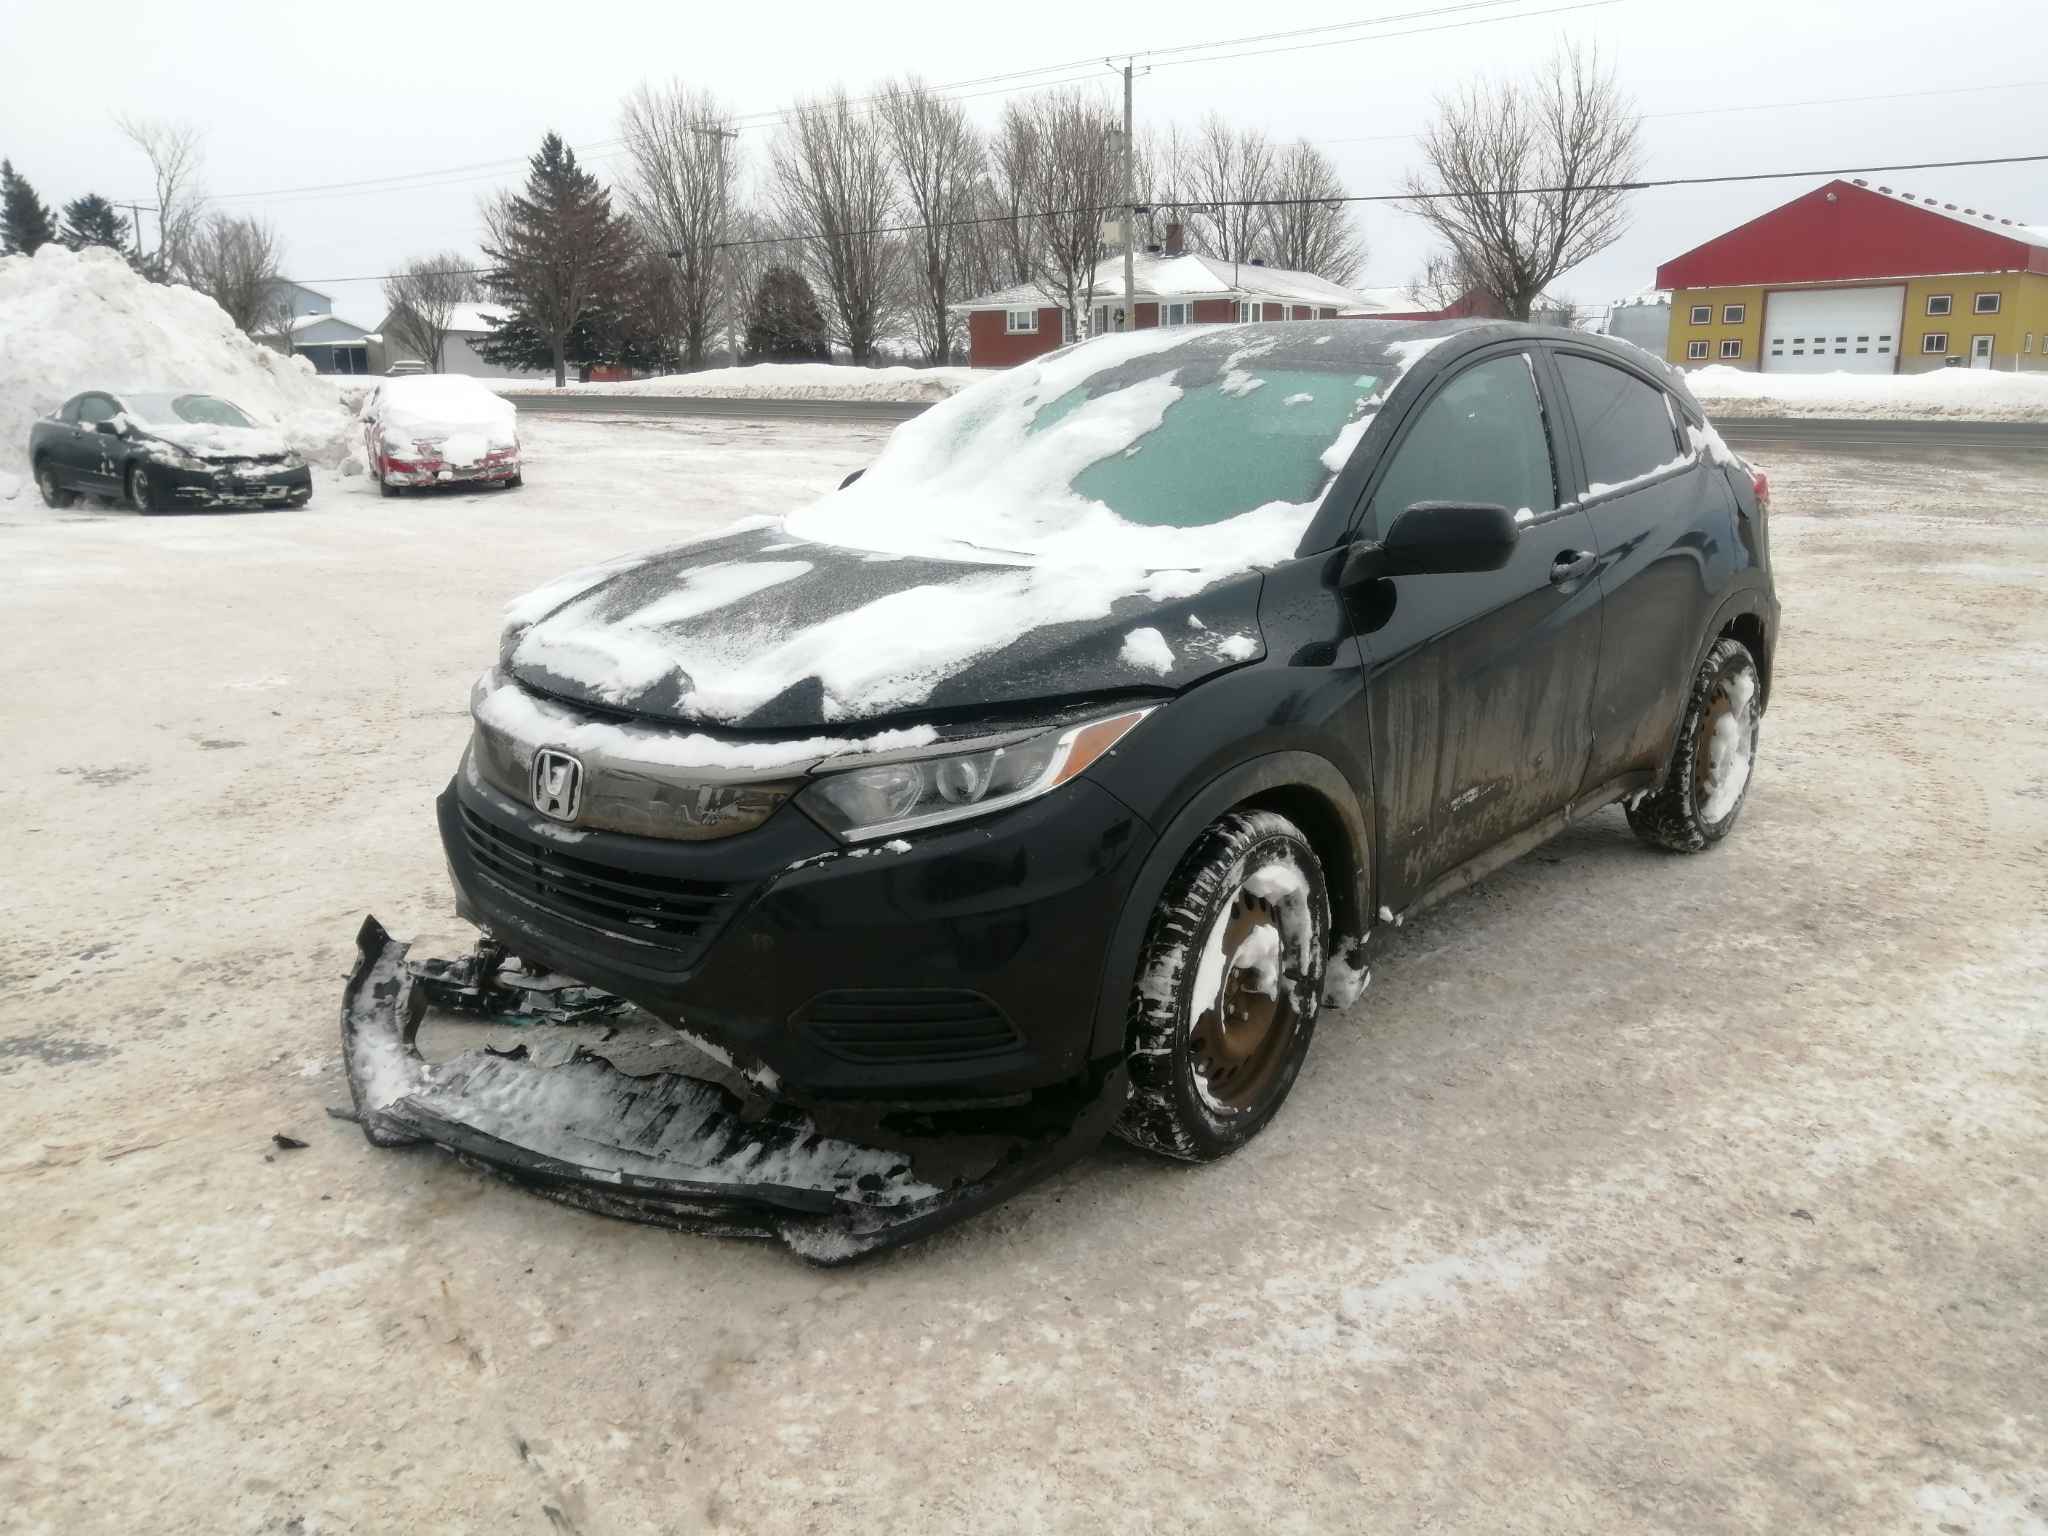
x=1842, y=232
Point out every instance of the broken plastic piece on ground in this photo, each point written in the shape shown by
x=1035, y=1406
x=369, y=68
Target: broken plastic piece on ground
x=286, y=1143
x=665, y=1146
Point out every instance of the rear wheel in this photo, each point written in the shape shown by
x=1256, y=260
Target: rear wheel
x=140, y=496
x=1228, y=988
x=1708, y=779
x=54, y=494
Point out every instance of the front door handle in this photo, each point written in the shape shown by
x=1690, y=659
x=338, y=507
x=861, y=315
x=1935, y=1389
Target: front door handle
x=1571, y=565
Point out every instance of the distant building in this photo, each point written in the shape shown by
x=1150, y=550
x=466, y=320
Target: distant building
x=1171, y=287
x=468, y=324
x=296, y=299
x=1407, y=303
x=330, y=343
x=1644, y=319
x=1860, y=279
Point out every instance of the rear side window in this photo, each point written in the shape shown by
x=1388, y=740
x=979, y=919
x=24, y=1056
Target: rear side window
x=1480, y=440
x=1625, y=426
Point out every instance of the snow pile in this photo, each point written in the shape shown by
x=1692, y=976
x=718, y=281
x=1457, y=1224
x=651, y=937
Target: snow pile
x=444, y=416
x=777, y=381
x=1971, y=394
x=71, y=321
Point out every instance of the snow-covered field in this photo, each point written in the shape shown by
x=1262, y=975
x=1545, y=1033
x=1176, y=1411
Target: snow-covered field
x=776, y=381
x=1640, y=1193
x=1953, y=393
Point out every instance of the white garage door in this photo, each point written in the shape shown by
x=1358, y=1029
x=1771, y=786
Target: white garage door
x=1833, y=330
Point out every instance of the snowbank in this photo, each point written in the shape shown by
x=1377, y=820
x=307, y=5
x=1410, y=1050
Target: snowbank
x=1966, y=393
x=71, y=321
x=777, y=381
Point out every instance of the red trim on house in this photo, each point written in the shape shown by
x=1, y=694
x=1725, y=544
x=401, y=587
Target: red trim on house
x=1148, y=316
x=1841, y=232
x=1214, y=312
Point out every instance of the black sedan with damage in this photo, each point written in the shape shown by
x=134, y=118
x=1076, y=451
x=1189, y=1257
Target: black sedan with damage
x=160, y=450
x=841, y=875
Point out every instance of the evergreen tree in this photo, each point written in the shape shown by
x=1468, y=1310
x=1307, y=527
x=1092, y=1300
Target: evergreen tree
x=25, y=221
x=91, y=220
x=556, y=249
x=784, y=323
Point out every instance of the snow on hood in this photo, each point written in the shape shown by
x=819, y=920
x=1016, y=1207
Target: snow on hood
x=457, y=418
x=754, y=631
x=207, y=441
x=1038, y=536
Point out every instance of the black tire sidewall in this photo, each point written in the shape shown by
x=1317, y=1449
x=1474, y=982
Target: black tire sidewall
x=1167, y=1112
x=135, y=475
x=1672, y=816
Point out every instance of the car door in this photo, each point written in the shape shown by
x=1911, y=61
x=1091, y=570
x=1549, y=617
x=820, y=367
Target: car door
x=96, y=454
x=1480, y=685
x=64, y=445
x=1663, y=519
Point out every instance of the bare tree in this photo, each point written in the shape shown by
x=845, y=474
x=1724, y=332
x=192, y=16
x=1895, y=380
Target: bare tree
x=421, y=300
x=1445, y=279
x=685, y=168
x=1076, y=176
x=833, y=191
x=175, y=157
x=754, y=246
x=938, y=162
x=1008, y=240
x=1522, y=180
x=1308, y=228
x=1223, y=172
x=234, y=261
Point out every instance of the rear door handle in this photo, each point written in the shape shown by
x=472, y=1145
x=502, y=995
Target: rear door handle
x=1571, y=565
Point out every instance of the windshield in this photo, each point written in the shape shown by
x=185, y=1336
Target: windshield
x=200, y=410
x=1193, y=446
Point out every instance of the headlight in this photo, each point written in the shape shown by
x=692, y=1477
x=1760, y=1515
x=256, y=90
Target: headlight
x=902, y=796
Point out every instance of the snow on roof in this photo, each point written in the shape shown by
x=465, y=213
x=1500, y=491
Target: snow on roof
x=1396, y=299
x=307, y=322
x=1187, y=276
x=1976, y=218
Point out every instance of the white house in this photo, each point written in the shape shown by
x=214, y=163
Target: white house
x=468, y=324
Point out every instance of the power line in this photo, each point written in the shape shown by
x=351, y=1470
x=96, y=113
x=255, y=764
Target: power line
x=1641, y=185
x=961, y=90
x=1761, y=106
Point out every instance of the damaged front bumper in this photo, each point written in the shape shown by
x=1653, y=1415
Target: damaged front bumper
x=599, y=1120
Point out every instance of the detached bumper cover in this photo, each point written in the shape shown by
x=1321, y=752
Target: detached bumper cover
x=665, y=1147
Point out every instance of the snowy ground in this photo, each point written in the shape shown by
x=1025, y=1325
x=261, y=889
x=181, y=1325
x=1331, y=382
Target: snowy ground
x=1640, y=1193
x=1960, y=394
x=776, y=381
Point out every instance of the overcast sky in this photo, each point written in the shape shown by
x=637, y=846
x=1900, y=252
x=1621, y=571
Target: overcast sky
x=294, y=96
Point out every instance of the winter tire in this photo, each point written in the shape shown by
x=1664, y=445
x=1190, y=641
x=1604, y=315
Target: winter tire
x=515, y=482
x=1229, y=983
x=385, y=487
x=1708, y=778
x=54, y=495
x=139, y=496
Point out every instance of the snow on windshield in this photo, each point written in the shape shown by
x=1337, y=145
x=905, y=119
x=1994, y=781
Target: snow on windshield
x=1197, y=449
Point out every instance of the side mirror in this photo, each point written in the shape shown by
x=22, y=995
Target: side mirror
x=108, y=427
x=853, y=477
x=1436, y=538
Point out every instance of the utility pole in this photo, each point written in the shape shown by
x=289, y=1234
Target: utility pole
x=732, y=345
x=1130, y=209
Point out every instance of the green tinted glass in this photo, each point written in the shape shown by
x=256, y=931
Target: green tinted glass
x=1249, y=437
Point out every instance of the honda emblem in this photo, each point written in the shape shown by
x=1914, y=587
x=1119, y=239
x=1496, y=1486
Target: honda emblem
x=557, y=784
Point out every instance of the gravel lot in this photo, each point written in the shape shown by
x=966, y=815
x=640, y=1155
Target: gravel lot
x=1639, y=1194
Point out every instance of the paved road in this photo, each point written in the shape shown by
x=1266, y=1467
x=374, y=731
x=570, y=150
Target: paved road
x=2004, y=441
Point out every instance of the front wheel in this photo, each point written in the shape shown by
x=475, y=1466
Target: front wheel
x=1228, y=987
x=54, y=494
x=1708, y=779
x=139, y=494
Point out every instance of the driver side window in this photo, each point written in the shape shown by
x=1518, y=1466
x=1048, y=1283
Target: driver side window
x=94, y=408
x=1480, y=440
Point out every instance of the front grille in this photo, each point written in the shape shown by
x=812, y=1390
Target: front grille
x=681, y=916
x=907, y=1025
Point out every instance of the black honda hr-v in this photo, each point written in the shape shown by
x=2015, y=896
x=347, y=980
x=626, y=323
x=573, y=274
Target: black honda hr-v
x=1054, y=770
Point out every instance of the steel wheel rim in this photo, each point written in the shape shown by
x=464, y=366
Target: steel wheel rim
x=1238, y=1045
x=1720, y=706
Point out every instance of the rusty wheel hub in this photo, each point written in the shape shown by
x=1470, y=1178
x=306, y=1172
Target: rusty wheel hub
x=1238, y=1044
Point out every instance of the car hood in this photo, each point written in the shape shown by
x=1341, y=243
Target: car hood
x=754, y=630
x=213, y=443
